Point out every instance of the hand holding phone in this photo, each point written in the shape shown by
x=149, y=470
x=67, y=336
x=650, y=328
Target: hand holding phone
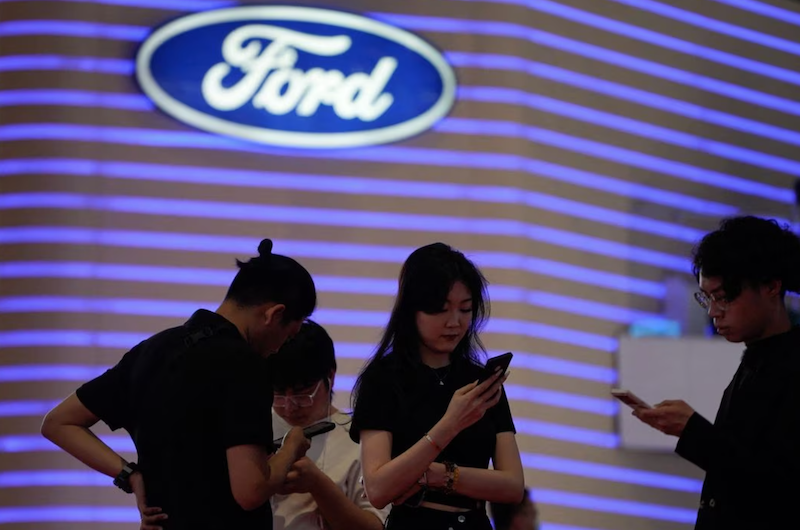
x=311, y=431
x=629, y=398
x=495, y=364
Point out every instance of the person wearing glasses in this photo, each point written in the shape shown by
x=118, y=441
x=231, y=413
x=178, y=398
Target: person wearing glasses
x=751, y=452
x=323, y=490
x=428, y=429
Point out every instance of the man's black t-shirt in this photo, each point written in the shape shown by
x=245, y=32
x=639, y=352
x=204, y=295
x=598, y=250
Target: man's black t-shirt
x=184, y=406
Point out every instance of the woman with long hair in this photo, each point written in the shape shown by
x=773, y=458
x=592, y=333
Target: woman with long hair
x=427, y=427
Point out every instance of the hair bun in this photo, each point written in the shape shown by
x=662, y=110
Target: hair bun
x=265, y=248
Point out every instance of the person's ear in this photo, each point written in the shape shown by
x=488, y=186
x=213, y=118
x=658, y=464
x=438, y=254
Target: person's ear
x=274, y=314
x=773, y=288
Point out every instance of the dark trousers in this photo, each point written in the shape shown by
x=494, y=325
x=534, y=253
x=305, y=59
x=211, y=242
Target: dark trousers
x=407, y=518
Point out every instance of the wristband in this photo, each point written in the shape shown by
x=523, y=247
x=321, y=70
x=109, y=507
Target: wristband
x=122, y=481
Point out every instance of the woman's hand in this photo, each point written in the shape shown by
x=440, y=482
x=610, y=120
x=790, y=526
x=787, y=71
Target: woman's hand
x=469, y=403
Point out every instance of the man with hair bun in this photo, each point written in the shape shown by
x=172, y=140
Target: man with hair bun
x=751, y=453
x=196, y=401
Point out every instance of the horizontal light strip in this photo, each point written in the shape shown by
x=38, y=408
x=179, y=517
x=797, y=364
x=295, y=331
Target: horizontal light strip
x=625, y=156
x=629, y=126
x=69, y=338
x=336, y=284
x=624, y=475
x=82, y=98
x=354, y=185
x=317, y=250
x=607, y=407
x=566, y=433
x=193, y=5
x=55, y=477
x=52, y=478
x=393, y=154
x=554, y=398
x=544, y=525
x=73, y=28
x=345, y=383
x=9, y=409
x=29, y=443
x=72, y=514
x=123, y=341
x=350, y=218
x=511, y=30
x=655, y=38
x=471, y=60
x=522, y=360
x=340, y=317
x=764, y=9
x=96, y=514
x=178, y=5
x=616, y=506
x=714, y=25
x=517, y=130
x=65, y=62
x=449, y=25
x=541, y=429
x=66, y=372
x=346, y=184
x=621, y=91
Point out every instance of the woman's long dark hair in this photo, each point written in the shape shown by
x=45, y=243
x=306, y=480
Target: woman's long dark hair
x=425, y=282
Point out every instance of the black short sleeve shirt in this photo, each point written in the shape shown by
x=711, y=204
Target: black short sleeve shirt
x=408, y=403
x=184, y=405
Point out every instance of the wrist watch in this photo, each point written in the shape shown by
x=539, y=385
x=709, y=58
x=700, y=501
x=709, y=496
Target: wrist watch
x=122, y=481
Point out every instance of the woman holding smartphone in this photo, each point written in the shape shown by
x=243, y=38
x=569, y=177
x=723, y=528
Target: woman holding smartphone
x=427, y=427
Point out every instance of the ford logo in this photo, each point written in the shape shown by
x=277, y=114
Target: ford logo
x=295, y=76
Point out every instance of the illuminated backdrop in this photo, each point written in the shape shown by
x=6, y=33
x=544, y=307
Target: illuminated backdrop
x=592, y=141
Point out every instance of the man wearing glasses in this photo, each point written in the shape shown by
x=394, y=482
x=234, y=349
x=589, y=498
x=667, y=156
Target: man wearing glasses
x=751, y=453
x=323, y=490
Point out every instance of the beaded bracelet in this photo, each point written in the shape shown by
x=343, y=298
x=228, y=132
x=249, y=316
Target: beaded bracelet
x=450, y=477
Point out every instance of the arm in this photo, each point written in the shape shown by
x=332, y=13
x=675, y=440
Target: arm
x=775, y=461
x=504, y=484
x=255, y=476
x=67, y=426
x=387, y=479
x=338, y=511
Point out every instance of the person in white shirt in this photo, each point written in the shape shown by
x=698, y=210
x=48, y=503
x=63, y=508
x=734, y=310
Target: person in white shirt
x=323, y=490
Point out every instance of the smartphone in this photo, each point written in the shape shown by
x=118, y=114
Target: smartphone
x=500, y=362
x=629, y=398
x=311, y=431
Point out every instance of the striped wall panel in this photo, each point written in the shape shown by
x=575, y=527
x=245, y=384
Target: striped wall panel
x=592, y=142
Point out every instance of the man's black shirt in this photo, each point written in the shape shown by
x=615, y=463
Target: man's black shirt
x=751, y=454
x=184, y=404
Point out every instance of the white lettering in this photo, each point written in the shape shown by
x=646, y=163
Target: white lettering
x=268, y=77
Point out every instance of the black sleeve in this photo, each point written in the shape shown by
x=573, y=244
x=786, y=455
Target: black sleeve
x=377, y=407
x=776, y=460
x=247, y=401
x=107, y=396
x=501, y=415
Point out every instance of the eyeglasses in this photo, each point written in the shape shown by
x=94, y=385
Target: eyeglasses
x=298, y=400
x=705, y=301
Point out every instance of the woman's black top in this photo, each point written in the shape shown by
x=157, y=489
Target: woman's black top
x=407, y=401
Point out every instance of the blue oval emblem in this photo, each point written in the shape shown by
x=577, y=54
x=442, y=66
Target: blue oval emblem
x=295, y=76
